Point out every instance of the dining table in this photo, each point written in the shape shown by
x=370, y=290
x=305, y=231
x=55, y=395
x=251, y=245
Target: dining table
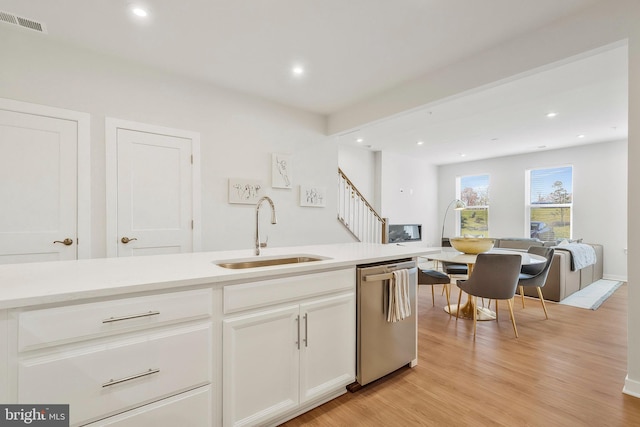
x=453, y=256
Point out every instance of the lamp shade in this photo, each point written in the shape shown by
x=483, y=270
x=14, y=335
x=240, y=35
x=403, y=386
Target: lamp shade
x=458, y=205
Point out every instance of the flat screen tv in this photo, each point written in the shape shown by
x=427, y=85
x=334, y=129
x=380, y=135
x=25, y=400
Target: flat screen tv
x=405, y=232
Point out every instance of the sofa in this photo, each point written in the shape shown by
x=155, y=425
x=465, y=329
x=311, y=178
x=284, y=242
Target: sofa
x=562, y=281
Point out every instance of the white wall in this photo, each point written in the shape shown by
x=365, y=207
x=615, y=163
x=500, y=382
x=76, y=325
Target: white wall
x=632, y=383
x=359, y=166
x=599, y=194
x=405, y=187
x=238, y=135
x=408, y=193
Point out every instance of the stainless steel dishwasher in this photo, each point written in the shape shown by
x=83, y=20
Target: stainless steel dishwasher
x=382, y=346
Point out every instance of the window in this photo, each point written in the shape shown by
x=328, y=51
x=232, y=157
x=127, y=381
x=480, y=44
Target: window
x=550, y=199
x=474, y=192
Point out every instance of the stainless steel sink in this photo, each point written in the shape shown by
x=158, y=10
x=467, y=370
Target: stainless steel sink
x=269, y=262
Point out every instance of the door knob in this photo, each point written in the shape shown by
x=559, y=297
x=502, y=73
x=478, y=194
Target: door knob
x=126, y=240
x=65, y=242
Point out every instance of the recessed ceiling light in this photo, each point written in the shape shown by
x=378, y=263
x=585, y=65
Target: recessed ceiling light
x=420, y=142
x=297, y=70
x=138, y=11
x=581, y=136
x=462, y=155
x=359, y=140
x=551, y=114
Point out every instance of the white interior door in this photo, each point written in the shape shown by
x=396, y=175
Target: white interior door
x=38, y=188
x=154, y=191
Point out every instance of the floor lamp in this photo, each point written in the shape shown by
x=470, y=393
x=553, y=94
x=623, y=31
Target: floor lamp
x=458, y=205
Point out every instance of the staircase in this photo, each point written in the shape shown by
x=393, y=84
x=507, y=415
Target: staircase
x=357, y=215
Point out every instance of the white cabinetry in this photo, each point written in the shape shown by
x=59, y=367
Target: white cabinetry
x=4, y=355
x=287, y=357
x=60, y=325
x=188, y=409
x=260, y=365
x=108, y=357
x=327, y=359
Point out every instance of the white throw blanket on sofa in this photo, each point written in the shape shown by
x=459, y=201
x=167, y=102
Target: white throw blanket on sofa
x=582, y=255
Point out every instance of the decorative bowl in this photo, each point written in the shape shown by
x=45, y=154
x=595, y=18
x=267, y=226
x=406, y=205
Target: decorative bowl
x=472, y=245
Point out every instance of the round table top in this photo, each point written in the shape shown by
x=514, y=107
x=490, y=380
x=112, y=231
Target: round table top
x=451, y=255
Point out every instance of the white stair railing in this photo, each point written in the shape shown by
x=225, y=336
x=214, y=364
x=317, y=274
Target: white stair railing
x=355, y=213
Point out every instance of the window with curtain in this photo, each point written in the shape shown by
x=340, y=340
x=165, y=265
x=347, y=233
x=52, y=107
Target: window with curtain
x=550, y=199
x=473, y=190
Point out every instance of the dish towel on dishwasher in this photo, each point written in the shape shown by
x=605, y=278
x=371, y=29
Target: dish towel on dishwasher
x=399, y=300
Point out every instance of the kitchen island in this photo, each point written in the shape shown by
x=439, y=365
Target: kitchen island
x=180, y=340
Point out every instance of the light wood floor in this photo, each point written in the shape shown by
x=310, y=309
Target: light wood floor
x=565, y=371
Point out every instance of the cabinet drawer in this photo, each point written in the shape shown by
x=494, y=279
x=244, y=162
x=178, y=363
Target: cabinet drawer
x=117, y=375
x=39, y=328
x=189, y=409
x=273, y=291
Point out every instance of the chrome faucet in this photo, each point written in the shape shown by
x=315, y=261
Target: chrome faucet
x=273, y=221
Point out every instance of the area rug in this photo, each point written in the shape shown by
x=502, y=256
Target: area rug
x=593, y=295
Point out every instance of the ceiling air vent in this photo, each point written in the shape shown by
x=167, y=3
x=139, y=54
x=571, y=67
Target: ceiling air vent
x=20, y=21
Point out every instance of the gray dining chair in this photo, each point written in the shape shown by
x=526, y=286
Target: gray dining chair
x=432, y=278
x=536, y=275
x=495, y=276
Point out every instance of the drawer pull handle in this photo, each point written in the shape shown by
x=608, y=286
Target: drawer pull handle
x=132, y=377
x=131, y=316
x=306, y=329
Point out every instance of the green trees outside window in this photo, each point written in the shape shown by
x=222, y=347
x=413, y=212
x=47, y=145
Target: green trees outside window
x=551, y=203
x=474, y=192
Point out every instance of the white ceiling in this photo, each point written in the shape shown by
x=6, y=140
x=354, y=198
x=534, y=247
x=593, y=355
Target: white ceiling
x=352, y=50
x=588, y=94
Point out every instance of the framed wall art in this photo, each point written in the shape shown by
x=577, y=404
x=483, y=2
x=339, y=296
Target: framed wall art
x=312, y=196
x=281, y=171
x=245, y=191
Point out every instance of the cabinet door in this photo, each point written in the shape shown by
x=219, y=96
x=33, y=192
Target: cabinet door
x=328, y=347
x=4, y=355
x=260, y=365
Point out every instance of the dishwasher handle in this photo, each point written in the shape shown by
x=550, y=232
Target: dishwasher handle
x=377, y=277
x=384, y=276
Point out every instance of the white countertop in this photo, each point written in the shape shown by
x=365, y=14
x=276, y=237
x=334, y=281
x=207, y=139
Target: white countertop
x=63, y=281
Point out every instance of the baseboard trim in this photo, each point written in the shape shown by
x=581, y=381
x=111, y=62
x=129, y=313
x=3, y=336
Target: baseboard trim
x=307, y=407
x=615, y=277
x=631, y=387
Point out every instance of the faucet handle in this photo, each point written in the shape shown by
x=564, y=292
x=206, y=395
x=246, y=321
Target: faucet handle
x=264, y=244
